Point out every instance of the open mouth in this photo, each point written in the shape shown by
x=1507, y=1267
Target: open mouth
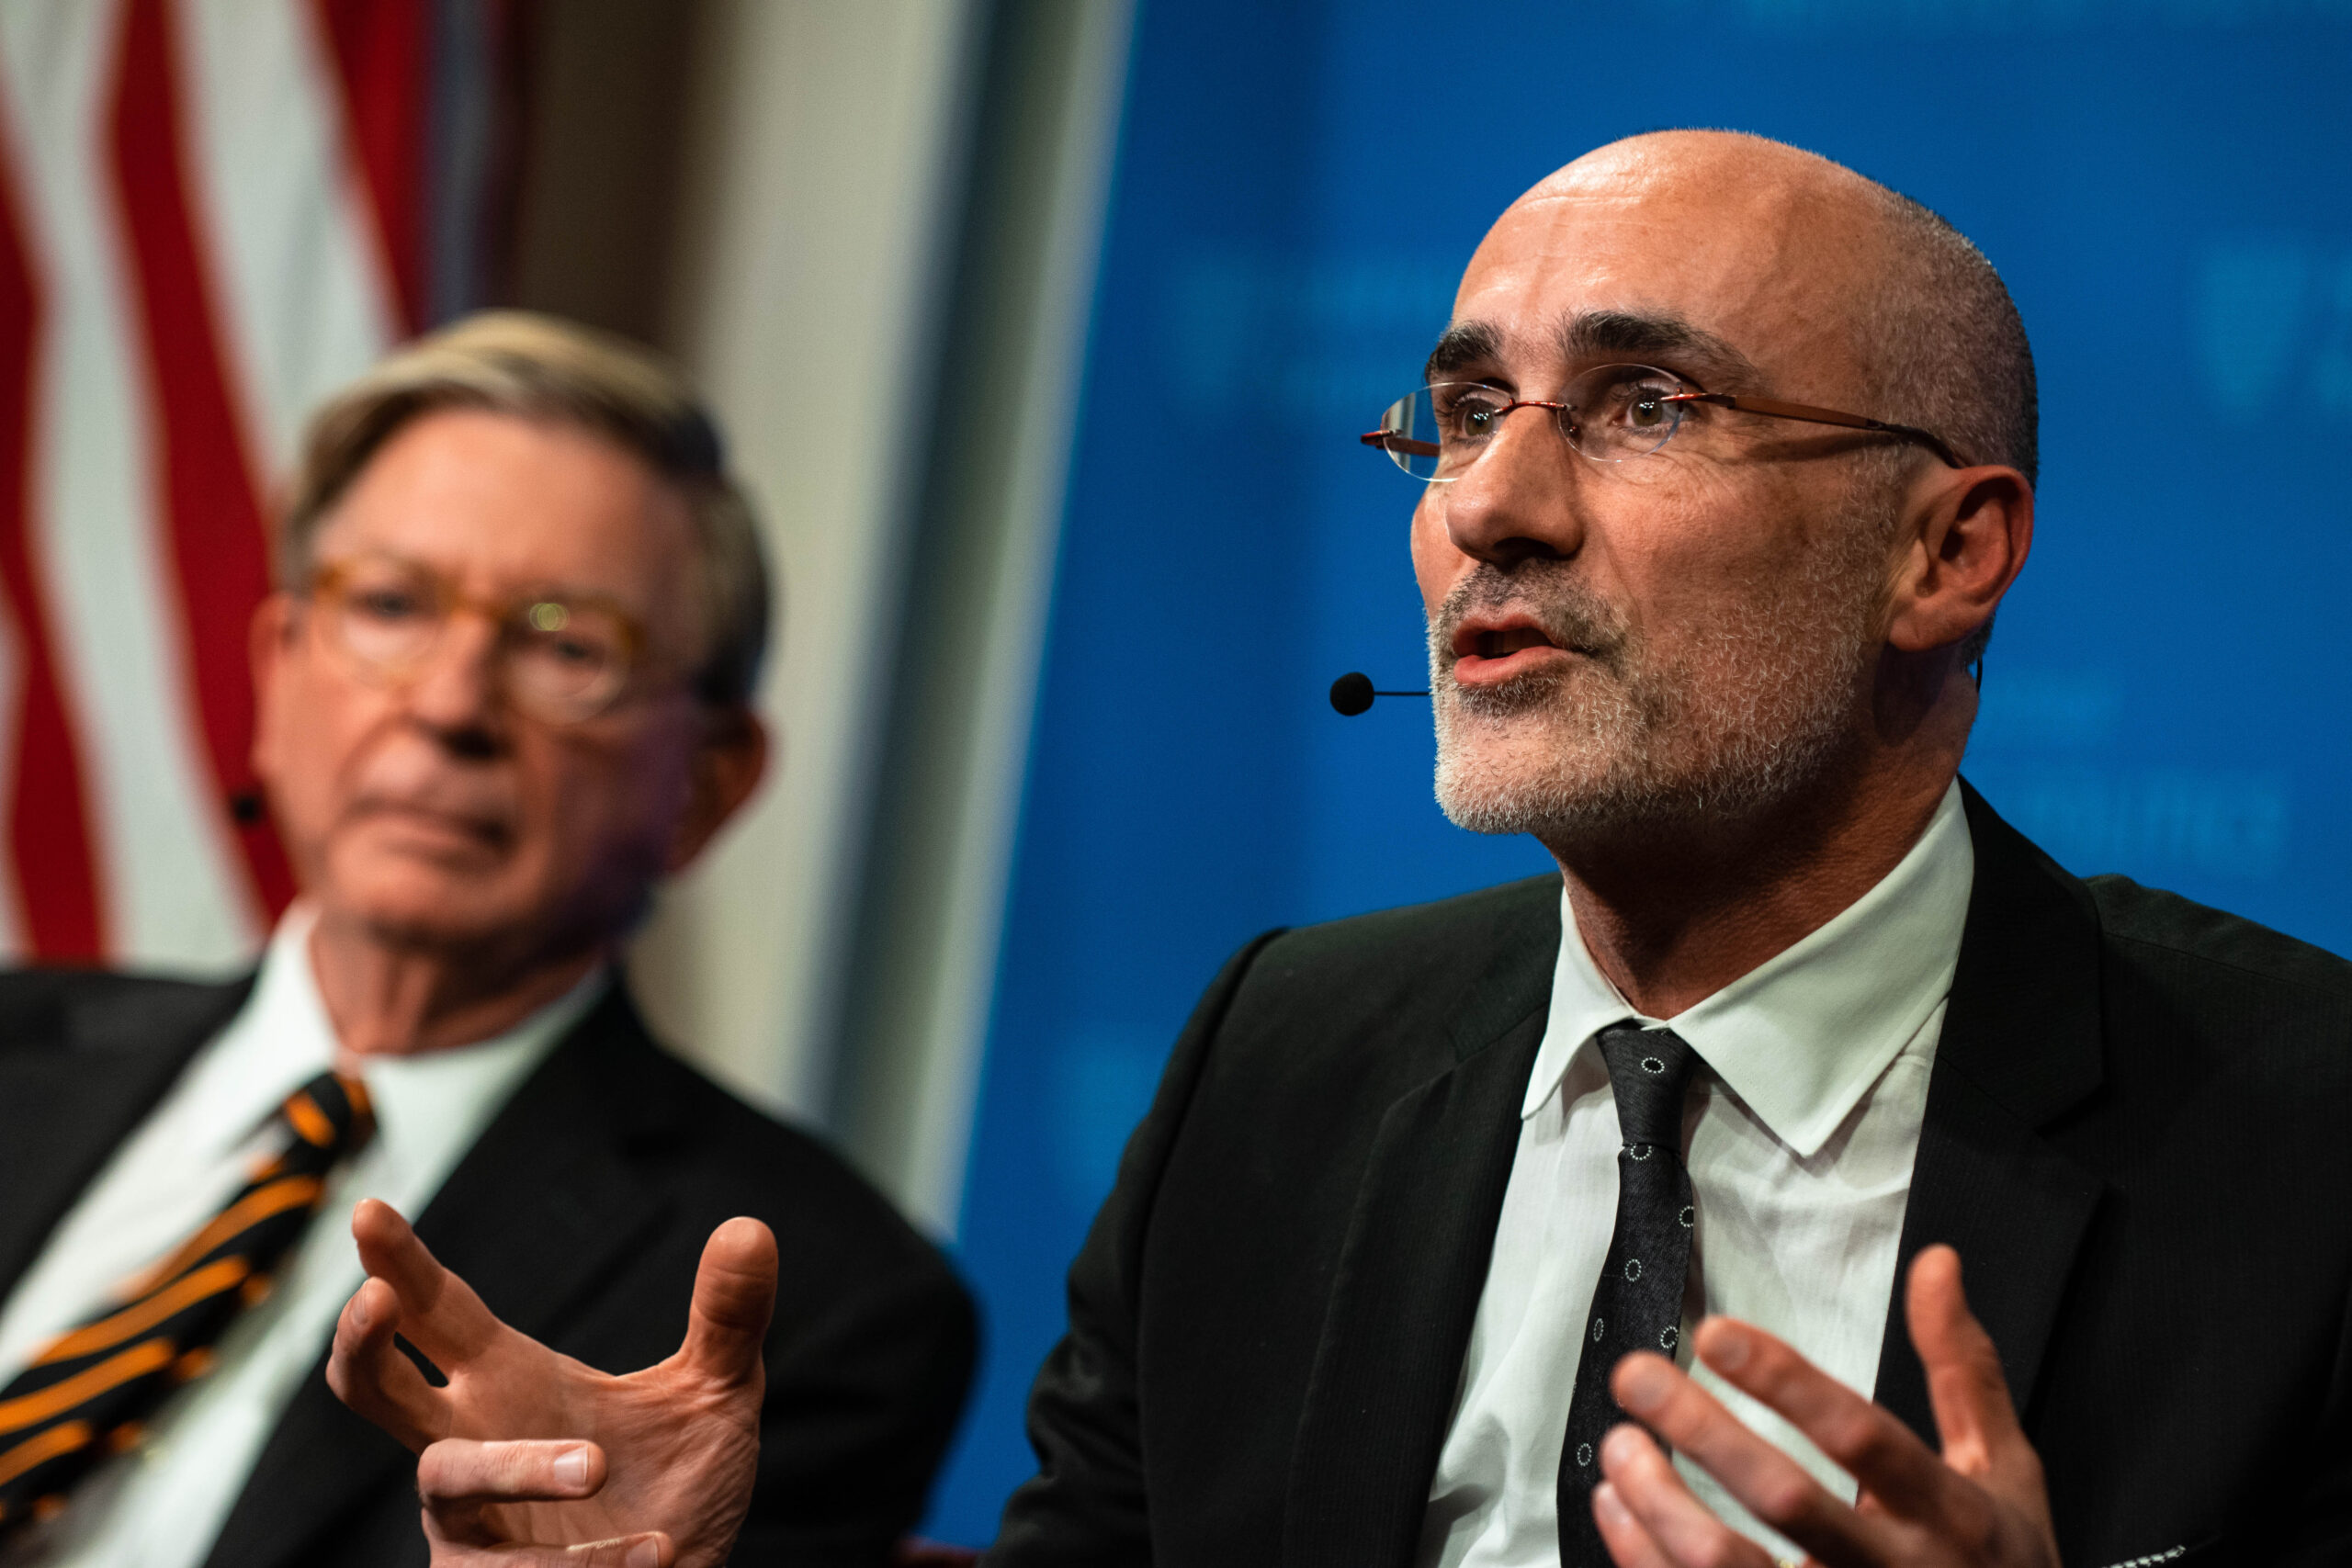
x=1492, y=649
x=1504, y=641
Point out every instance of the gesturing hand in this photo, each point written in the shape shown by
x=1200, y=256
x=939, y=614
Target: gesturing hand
x=1981, y=1504
x=528, y=1454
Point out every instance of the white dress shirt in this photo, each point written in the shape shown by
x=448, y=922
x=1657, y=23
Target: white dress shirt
x=1800, y=1135
x=163, y=1503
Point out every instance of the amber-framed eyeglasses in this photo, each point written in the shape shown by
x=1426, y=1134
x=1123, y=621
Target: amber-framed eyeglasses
x=560, y=659
x=1609, y=413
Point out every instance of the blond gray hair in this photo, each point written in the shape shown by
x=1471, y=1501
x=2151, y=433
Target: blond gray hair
x=538, y=367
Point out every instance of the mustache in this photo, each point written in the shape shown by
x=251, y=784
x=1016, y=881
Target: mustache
x=1548, y=593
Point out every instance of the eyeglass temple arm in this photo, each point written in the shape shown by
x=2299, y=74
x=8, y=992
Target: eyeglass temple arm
x=1389, y=440
x=1774, y=409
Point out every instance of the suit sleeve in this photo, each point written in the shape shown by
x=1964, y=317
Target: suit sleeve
x=859, y=1410
x=1088, y=1504
x=2323, y=1531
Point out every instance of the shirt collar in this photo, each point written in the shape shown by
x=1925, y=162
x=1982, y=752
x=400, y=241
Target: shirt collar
x=1800, y=1037
x=277, y=1041
x=431, y=1105
x=282, y=1038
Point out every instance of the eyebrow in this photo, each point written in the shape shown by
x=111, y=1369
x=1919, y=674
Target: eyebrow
x=1461, y=345
x=1605, y=336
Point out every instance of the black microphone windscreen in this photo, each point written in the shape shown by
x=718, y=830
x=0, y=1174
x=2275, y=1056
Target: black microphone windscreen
x=1351, y=693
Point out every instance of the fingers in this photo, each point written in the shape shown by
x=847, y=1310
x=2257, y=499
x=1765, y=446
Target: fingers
x=1630, y=1546
x=1986, y=1489
x=627, y=1551
x=1983, y=1438
x=1648, y=1518
x=1965, y=1386
x=651, y=1550
x=458, y=1472
x=368, y=1372
x=734, y=1294
x=1866, y=1441
x=1771, y=1486
x=457, y=1480
x=439, y=1313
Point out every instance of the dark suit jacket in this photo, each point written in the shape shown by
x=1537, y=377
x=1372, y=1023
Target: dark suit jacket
x=2138, y=1134
x=579, y=1216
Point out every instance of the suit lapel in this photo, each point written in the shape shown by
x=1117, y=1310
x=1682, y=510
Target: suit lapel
x=540, y=1209
x=2022, y=1045
x=1411, y=1270
x=82, y=1068
x=545, y=1202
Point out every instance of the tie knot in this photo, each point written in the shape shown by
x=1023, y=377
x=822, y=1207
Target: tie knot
x=331, y=1116
x=1648, y=1070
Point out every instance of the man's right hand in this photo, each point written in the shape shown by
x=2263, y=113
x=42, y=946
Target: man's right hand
x=530, y=1456
x=1981, y=1503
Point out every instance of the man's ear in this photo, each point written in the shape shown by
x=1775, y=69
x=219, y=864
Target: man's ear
x=268, y=638
x=1971, y=530
x=728, y=764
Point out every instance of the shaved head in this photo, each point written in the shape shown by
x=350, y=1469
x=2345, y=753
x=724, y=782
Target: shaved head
x=1929, y=324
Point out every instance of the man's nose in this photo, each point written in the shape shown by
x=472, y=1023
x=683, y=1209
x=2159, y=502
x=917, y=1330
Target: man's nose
x=455, y=691
x=1521, y=499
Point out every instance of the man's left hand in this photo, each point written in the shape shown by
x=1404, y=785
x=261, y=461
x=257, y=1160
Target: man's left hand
x=528, y=1454
x=1980, y=1503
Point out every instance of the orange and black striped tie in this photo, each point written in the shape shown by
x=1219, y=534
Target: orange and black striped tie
x=88, y=1393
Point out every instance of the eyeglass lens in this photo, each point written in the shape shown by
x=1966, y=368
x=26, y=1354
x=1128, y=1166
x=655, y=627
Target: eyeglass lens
x=1609, y=414
x=558, y=660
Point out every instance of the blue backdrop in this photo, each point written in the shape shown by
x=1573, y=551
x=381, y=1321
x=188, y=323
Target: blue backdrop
x=2164, y=185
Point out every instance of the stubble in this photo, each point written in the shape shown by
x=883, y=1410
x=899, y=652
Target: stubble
x=1748, y=711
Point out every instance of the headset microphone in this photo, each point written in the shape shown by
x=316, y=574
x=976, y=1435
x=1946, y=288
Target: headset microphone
x=1351, y=693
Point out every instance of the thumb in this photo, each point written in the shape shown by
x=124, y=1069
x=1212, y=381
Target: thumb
x=1965, y=1386
x=734, y=1293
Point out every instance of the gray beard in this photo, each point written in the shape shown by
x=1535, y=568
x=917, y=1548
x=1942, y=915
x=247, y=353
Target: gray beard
x=1625, y=747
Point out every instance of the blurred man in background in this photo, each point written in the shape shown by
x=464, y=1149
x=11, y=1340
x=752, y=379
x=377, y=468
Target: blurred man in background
x=1444, y=1217
x=505, y=689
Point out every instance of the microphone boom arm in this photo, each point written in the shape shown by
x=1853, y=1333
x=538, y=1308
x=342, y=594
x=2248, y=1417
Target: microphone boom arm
x=1353, y=693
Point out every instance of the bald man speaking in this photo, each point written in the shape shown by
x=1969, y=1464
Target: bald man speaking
x=1622, y=1215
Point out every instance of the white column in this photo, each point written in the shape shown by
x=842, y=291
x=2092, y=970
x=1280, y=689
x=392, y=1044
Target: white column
x=823, y=165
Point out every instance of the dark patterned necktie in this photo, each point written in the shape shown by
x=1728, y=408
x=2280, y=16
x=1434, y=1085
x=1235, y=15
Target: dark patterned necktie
x=86, y=1394
x=1637, y=1305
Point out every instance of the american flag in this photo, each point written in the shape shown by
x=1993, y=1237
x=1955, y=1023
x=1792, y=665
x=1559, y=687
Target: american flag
x=212, y=212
